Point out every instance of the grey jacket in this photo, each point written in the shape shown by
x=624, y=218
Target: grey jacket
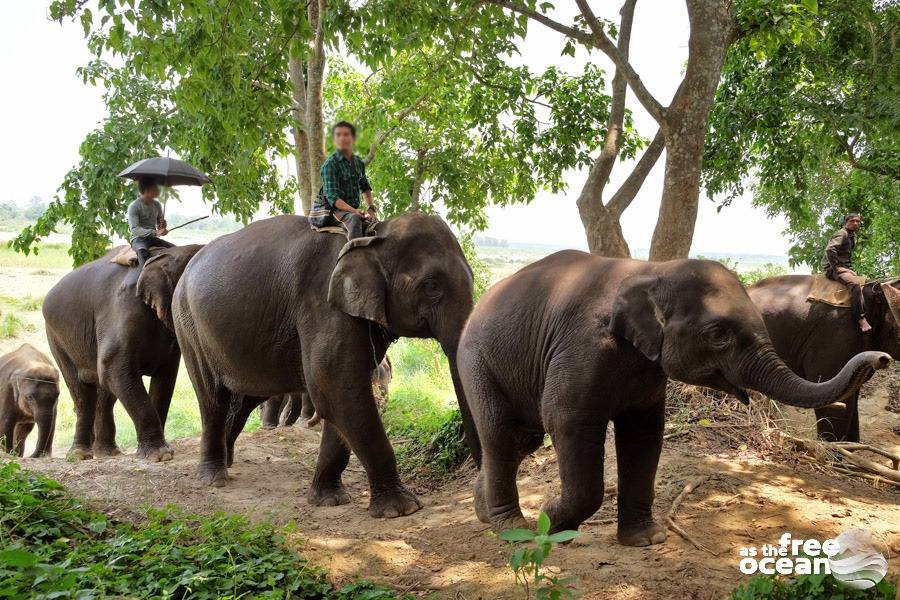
x=143, y=219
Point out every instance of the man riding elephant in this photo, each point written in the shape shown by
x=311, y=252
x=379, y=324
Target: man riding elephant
x=837, y=261
x=343, y=180
x=146, y=222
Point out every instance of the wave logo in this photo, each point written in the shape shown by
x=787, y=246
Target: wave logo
x=857, y=563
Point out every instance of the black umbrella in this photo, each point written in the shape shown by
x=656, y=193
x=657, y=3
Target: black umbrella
x=166, y=171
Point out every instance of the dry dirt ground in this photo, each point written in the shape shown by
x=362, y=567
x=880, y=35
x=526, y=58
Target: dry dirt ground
x=443, y=550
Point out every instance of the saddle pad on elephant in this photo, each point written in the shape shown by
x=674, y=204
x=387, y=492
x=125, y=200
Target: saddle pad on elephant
x=127, y=257
x=826, y=291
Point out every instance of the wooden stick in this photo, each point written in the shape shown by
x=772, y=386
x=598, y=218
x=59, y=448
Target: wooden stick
x=188, y=223
x=689, y=487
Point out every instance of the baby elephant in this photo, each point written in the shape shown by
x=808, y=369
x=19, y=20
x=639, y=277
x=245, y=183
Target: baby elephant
x=29, y=389
x=575, y=341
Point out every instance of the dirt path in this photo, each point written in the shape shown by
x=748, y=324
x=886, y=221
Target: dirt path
x=747, y=501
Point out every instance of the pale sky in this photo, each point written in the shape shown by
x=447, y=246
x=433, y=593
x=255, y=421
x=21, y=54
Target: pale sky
x=47, y=110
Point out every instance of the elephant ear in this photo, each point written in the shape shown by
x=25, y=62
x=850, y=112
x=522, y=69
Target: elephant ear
x=160, y=275
x=892, y=296
x=358, y=284
x=637, y=318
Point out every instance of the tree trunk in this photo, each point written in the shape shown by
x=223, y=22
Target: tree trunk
x=301, y=140
x=684, y=126
x=315, y=120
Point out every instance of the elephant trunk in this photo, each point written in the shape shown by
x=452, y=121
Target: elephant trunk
x=45, y=421
x=449, y=344
x=765, y=372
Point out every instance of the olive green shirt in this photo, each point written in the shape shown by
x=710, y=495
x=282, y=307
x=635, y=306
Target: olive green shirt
x=839, y=251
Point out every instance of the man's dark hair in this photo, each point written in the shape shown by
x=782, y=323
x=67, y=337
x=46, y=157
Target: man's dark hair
x=145, y=183
x=346, y=124
x=851, y=216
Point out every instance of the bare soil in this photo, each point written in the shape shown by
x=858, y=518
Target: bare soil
x=443, y=550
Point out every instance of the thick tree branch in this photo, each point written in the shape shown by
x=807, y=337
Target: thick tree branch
x=598, y=39
x=627, y=192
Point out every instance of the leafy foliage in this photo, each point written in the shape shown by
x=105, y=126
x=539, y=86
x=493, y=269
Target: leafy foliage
x=527, y=561
x=813, y=122
x=803, y=587
x=56, y=547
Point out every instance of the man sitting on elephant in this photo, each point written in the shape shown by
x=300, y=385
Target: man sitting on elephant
x=837, y=261
x=343, y=180
x=146, y=221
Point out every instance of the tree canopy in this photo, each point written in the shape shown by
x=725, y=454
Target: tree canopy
x=812, y=129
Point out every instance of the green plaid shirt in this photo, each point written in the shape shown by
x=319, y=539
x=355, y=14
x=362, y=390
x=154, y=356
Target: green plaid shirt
x=343, y=179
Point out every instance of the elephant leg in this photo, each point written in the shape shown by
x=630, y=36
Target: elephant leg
x=271, y=409
x=20, y=433
x=105, y=425
x=327, y=489
x=639, y=434
x=296, y=408
x=162, y=386
x=84, y=396
x=125, y=383
x=579, y=448
x=238, y=421
x=839, y=422
x=351, y=409
x=8, y=433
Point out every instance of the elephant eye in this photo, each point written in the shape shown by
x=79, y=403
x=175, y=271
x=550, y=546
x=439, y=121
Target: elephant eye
x=431, y=288
x=716, y=336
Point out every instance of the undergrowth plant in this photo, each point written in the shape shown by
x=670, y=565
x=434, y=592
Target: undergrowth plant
x=809, y=587
x=53, y=546
x=527, y=561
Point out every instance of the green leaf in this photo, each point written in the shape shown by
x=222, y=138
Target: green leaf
x=516, y=535
x=18, y=558
x=562, y=536
x=543, y=524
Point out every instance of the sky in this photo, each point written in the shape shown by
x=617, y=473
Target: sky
x=47, y=110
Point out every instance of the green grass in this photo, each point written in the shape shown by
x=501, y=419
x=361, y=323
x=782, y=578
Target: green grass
x=48, y=256
x=12, y=325
x=808, y=587
x=54, y=546
x=421, y=414
x=26, y=303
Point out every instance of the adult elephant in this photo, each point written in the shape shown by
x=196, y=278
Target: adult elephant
x=575, y=340
x=816, y=339
x=109, y=325
x=277, y=306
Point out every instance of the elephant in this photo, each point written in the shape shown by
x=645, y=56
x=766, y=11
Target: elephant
x=816, y=339
x=29, y=390
x=575, y=340
x=108, y=325
x=297, y=308
x=286, y=409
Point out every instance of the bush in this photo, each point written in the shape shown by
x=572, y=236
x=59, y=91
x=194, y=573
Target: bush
x=808, y=587
x=421, y=414
x=56, y=547
x=12, y=325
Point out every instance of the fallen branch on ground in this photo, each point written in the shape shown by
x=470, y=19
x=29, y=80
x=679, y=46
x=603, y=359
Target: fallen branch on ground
x=689, y=487
x=842, y=457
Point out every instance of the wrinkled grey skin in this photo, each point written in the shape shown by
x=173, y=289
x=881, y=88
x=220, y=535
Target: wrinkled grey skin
x=108, y=326
x=297, y=308
x=815, y=339
x=29, y=390
x=286, y=409
x=575, y=341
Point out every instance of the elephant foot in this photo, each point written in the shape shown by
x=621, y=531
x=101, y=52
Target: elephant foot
x=481, y=508
x=397, y=503
x=106, y=451
x=328, y=496
x=514, y=521
x=561, y=515
x=312, y=421
x=156, y=453
x=212, y=475
x=642, y=534
x=77, y=453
